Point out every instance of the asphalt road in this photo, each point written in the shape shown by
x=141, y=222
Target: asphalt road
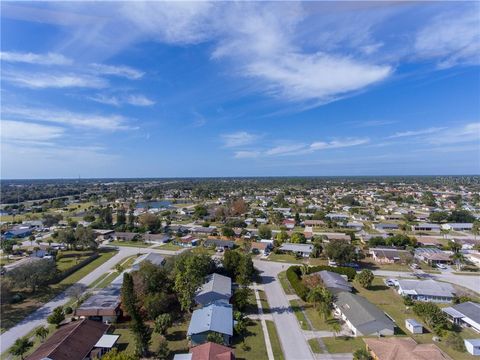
x=39, y=317
x=294, y=344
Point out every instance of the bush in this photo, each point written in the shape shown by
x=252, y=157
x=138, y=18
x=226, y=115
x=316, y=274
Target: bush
x=455, y=341
x=17, y=298
x=68, y=310
x=294, y=277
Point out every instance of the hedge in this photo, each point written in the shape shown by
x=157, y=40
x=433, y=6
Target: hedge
x=294, y=276
x=70, y=271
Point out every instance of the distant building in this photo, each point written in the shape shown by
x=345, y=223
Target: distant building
x=386, y=255
x=219, y=244
x=18, y=232
x=426, y=290
x=458, y=226
x=432, y=256
x=426, y=227
x=362, y=317
x=385, y=226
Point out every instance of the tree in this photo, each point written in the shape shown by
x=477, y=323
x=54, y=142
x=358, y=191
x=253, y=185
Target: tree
x=231, y=262
x=85, y=237
x=438, y=216
x=114, y=354
x=315, y=295
x=240, y=299
x=33, y=274
x=21, y=346
x=162, y=323
x=336, y=327
x=76, y=291
x=150, y=222
x=461, y=216
x=32, y=239
x=163, y=351
x=121, y=217
x=476, y=229
x=298, y=238
x=228, y=232
x=365, y=278
x=41, y=332
x=56, y=317
x=282, y=236
x=215, y=337
x=200, y=211
x=362, y=354
x=239, y=207
x=340, y=251
x=264, y=232
x=455, y=341
x=246, y=270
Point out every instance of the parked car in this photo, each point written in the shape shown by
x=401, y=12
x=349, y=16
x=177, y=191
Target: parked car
x=389, y=282
x=442, y=266
x=414, y=266
x=352, y=265
x=332, y=263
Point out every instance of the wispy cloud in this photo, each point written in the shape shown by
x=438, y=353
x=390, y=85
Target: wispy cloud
x=372, y=123
x=245, y=154
x=336, y=144
x=285, y=149
x=135, y=100
x=117, y=70
x=240, y=138
x=411, y=133
x=53, y=80
x=139, y=100
x=469, y=132
x=38, y=59
x=26, y=132
x=81, y=120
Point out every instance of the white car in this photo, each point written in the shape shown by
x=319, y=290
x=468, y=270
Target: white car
x=389, y=282
x=332, y=263
x=441, y=266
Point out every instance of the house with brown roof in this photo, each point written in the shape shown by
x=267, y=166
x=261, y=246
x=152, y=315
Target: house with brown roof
x=403, y=348
x=386, y=255
x=74, y=341
x=207, y=351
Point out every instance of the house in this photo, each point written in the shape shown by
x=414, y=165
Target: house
x=200, y=230
x=289, y=223
x=18, y=232
x=337, y=217
x=426, y=290
x=260, y=247
x=207, y=351
x=155, y=259
x=385, y=226
x=414, y=326
x=74, y=341
x=474, y=258
x=472, y=346
x=403, y=348
x=426, y=227
x=354, y=226
x=216, y=288
x=125, y=236
x=187, y=241
x=314, y=222
x=299, y=249
x=103, y=234
x=432, y=256
x=219, y=244
x=103, y=306
x=156, y=238
x=216, y=317
x=458, y=226
x=334, y=282
x=386, y=255
x=466, y=314
x=362, y=317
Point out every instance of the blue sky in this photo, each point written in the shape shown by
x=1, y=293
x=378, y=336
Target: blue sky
x=239, y=89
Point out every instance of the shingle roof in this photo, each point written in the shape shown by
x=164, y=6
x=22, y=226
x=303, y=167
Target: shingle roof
x=426, y=287
x=212, y=351
x=363, y=315
x=296, y=247
x=73, y=341
x=404, y=348
x=216, y=317
x=218, y=284
x=155, y=259
x=333, y=281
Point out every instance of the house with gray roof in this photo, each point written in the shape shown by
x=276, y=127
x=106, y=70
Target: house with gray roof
x=216, y=317
x=466, y=314
x=300, y=249
x=154, y=258
x=362, y=317
x=216, y=288
x=334, y=282
x=426, y=290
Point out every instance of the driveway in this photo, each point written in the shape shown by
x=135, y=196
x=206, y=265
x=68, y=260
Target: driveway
x=39, y=317
x=294, y=343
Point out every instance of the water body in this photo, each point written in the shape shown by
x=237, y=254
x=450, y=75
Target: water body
x=164, y=204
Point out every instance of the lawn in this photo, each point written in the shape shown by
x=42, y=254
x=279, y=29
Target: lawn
x=252, y=307
x=177, y=337
x=297, y=310
x=253, y=345
x=137, y=244
x=71, y=258
x=274, y=340
x=264, y=302
x=126, y=341
x=286, y=258
x=315, y=318
x=315, y=346
x=343, y=344
x=287, y=288
x=11, y=314
x=169, y=246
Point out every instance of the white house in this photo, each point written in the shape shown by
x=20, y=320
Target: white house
x=473, y=346
x=414, y=326
x=466, y=314
x=426, y=290
x=458, y=226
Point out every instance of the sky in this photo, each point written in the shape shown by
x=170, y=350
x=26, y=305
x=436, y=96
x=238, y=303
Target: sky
x=194, y=89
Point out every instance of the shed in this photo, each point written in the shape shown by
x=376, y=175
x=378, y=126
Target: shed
x=473, y=346
x=414, y=326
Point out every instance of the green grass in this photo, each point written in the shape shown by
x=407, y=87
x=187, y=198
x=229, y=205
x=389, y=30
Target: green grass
x=297, y=310
x=96, y=282
x=286, y=258
x=264, y=302
x=315, y=318
x=287, y=288
x=315, y=346
x=70, y=259
x=253, y=345
x=126, y=341
x=177, y=337
x=137, y=244
x=342, y=344
x=107, y=280
x=169, y=246
x=274, y=340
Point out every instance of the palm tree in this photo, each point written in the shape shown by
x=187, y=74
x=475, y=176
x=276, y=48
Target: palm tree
x=304, y=269
x=315, y=295
x=336, y=327
x=41, y=332
x=458, y=258
x=21, y=346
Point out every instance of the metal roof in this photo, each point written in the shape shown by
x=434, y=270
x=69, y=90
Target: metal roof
x=426, y=287
x=216, y=317
x=467, y=309
x=334, y=281
x=218, y=284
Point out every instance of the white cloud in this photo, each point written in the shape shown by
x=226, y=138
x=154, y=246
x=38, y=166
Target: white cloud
x=239, y=138
x=121, y=71
x=53, y=80
x=469, y=132
x=411, y=133
x=105, y=99
x=81, y=120
x=139, y=100
x=451, y=39
x=23, y=132
x=285, y=149
x=335, y=144
x=38, y=59
x=246, y=154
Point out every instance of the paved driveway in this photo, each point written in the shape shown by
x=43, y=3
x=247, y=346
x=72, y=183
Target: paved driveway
x=39, y=317
x=294, y=344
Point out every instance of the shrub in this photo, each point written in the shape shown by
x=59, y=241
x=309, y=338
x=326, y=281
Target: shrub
x=294, y=277
x=455, y=341
x=17, y=298
x=68, y=310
